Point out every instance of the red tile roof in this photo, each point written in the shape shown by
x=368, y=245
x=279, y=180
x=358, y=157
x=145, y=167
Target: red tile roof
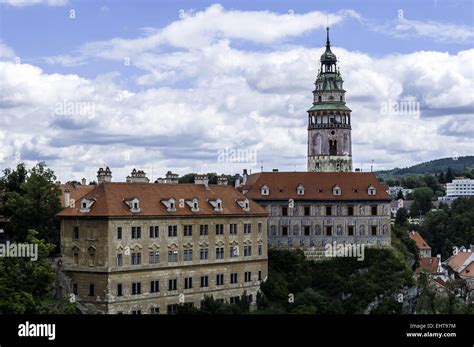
x=317, y=186
x=76, y=191
x=428, y=264
x=456, y=262
x=420, y=242
x=109, y=200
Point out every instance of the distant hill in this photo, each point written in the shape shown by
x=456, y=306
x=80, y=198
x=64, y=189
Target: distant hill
x=461, y=164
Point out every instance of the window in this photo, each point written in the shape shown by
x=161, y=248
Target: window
x=204, y=253
x=76, y=258
x=172, y=256
x=136, y=232
x=232, y=229
x=284, y=231
x=154, y=257
x=259, y=227
x=374, y=230
x=260, y=275
x=119, y=233
x=247, y=228
x=91, y=289
x=260, y=249
x=328, y=210
x=204, y=281
x=350, y=210
x=119, y=289
x=135, y=205
x=336, y=190
x=136, y=311
x=75, y=232
x=154, y=310
x=75, y=291
x=119, y=259
x=136, y=258
x=154, y=231
x=307, y=230
x=328, y=231
x=203, y=229
x=172, y=230
x=188, y=283
x=371, y=190
x=234, y=251
x=219, y=252
x=264, y=190
x=284, y=211
x=248, y=276
x=233, y=278
x=188, y=254
x=307, y=211
x=172, y=309
x=373, y=210
x=219, y=229
x=173, y=284
x=350, y=230
x=220, y=279
x=188, y=230
x=247, y=251
x=234, y=299
x=154, y=286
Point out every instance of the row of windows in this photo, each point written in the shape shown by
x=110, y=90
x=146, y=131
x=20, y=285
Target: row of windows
x=350, y=230
x=154, y=256
x=154, y=230
x=330, y=210
x=173, y=285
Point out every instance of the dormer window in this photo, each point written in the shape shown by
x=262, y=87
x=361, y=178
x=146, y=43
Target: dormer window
x=133, y=204
x=264, y=190
x=170, y=204
x=371, y=190
x=300, y=190
x=86, y=205
x=336, y=190
x=193, y=204
x=217, y=204
x=244, y=204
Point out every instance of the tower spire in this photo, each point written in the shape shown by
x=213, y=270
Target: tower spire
x=328, y=43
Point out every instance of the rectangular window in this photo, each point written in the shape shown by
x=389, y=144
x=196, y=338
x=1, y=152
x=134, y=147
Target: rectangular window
x=119, y=289
x=203, y=229
x=219, y=229
x=259, y=227
x=75, y=291
x=219, y=252
x=76, y=258
x=188, y=283
x=119, y=260
x=173, y=284
x=119, y=233
x=350, y=210
x=154, y=286
x=136, y=258
x=154, y=257
x=154, y=310
x=248, y=276
x=260, y=249
x=234, y=299
x=350, y=230
x=75, y=232
x=374, y=230
x=172, y=230
x=136, y=232
x=172, y=256
x=188, y=230
x=247, y=251
x=220, y=279
x=154, y=231
x=137, y=312
x=307, y=210
x=234, y=251
x=284, y=231
x=328, y=210
x=204, y=281
x=136, y=288
x=284, y=211
x=260, y=275
x=172, y=309
x=247, y=228
x=307, y=230
x=91, y=289
x=328, y=231
x=232, y=229
x=188, y=254
x=204, y=253
x=233, y=278
x=373, y=210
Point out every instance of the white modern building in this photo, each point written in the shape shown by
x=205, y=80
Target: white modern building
x=460, y=187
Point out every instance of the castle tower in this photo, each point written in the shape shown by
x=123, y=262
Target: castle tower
x=329, y=120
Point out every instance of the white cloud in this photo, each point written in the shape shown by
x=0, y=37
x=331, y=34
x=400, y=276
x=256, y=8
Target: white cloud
x=6, y=52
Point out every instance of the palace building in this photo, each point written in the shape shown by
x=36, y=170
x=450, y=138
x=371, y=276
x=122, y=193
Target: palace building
x=146, y=248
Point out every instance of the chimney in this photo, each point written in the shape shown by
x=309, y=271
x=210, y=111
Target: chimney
x=237, y=181
x=137, y=176
x=84, y=181
x=104, y=175
x=67, y=197
x=201, y=179
x=222, y=180
x=244, y=176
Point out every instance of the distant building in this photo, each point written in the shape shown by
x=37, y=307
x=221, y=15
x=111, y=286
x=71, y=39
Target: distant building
x=461, y=266
x=457, y=188
x=395, y=205
x=393, y=191
x=137, y=176
x=421, y=244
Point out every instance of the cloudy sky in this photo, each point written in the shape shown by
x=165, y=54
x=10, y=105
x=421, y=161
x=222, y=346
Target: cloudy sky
x=187, y=85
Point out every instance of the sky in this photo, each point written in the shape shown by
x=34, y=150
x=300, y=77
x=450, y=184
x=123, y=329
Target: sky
x=202, y=86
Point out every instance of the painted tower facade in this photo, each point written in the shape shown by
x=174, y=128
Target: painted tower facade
x=329, y=120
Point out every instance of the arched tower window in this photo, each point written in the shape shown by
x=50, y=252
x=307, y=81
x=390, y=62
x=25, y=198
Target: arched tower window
x=332, y=147
x=319, y=98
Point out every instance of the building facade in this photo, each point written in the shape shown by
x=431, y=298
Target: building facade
x=308, y=210
x=460, y=187
x=329, y=120
x=146, y=248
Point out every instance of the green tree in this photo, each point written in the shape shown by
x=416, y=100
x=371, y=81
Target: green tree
x=422, y=201
x=401, y=217
x=449, y=175
x=400, y=195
